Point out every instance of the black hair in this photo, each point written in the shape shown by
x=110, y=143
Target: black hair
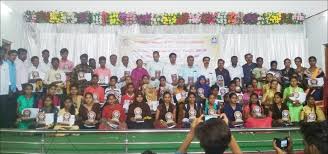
x=90, y=59
x=102, y=58
x=27, y=85
x=112, y=55
x=234, y=57
x=220, y=60
x=162, y=77
x=232, y=94
x=54, y=59
x=312, y=57
x=279, y=94
x=114, y=77
x=45, y=50
x=299, y=58
x=21, y=50
x=214, y=87
x=214, y=136
x=63, y=50
x=172, y=54
x=273, y=62
x=72, y=108
x=257, y=102
x=11, y=52
x=34, y=57
x=95, y=75
x=207, y=58
x=248, y=54
x=286, y=60
x=316, y=133
x=84, y=56
x=156, y=52
x=259, y=58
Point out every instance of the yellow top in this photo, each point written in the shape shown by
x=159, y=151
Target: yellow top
x=307, y=110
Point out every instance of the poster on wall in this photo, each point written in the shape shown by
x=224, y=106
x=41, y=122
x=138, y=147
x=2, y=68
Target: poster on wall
x=142, y=47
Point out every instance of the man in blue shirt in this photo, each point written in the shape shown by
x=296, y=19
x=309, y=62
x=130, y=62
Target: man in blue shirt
x=8, y=107
x=247, y=69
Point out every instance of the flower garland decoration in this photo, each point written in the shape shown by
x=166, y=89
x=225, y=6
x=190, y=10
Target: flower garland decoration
x=182, y=18
x=274, y=18
x=251, y=18
x=208, y=18
x=129, y=18
x=232, y=18
x=222, y=18
x=195, y=18
x=169, y=19
x=156, y=19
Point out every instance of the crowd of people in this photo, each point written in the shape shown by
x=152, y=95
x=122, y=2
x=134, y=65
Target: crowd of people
x=155, y=95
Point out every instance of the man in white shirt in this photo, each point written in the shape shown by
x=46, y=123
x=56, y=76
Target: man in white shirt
x=113, y=64
x=190, y=72
x=21, y=68
x=35, y=71
x=125, y=69
x=208, y=71
x=171, y=70
x=235, y=70
x=155, y=68
x=45, y=64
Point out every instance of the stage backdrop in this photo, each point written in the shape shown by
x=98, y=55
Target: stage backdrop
x=197, y=45
x=272, y=42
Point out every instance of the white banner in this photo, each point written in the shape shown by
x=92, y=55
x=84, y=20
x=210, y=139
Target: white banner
x=142, y=47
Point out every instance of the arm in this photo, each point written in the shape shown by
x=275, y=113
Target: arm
x=233, y=145
x=190, y=136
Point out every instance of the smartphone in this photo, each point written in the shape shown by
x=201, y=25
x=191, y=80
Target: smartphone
x=282, y=143
x=207, y=117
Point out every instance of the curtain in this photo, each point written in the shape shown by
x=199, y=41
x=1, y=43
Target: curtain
x=272, y=42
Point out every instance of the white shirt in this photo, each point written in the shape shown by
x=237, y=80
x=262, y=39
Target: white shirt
x=192, y=72
x=122, y=69
x=235, y=72
x=4, y=79
x=21, y=73
x=153, y=66
x=45, y=67
x=169, y=70
x=113, y=69
x=209, y=73
x=38, y=69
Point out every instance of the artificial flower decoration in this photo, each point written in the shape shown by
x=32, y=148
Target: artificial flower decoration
x=169, y=19
x=274, y=18
x=114, y=19
x=55, y=17
x=42, y=17
x=97, y=18
x=222, y=18
x=104, y=16
x=129, y=18
x=194, y=18
x=156, y=19
x=232, y=18
x=208, y=18
x=298, y=18
x=83, y=17
x=144, y=19
x=182, y=18
x=250, y=18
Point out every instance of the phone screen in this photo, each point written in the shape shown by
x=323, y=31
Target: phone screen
x=283, y=143
x=207, y=117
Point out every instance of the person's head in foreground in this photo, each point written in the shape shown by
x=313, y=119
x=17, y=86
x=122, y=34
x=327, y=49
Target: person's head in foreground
x=214, y=136
x=315, y=139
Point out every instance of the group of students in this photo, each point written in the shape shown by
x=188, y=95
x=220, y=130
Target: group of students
x=156, y=96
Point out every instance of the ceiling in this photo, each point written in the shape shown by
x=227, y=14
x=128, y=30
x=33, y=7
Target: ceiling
x=307, y=7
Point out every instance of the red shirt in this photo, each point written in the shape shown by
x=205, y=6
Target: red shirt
x=99, y=91
x=126, y=97
x=108, y=110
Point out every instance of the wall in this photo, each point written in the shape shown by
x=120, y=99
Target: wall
x=317, y=35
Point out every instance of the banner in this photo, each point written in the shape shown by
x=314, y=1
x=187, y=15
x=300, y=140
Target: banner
x=197, y=45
